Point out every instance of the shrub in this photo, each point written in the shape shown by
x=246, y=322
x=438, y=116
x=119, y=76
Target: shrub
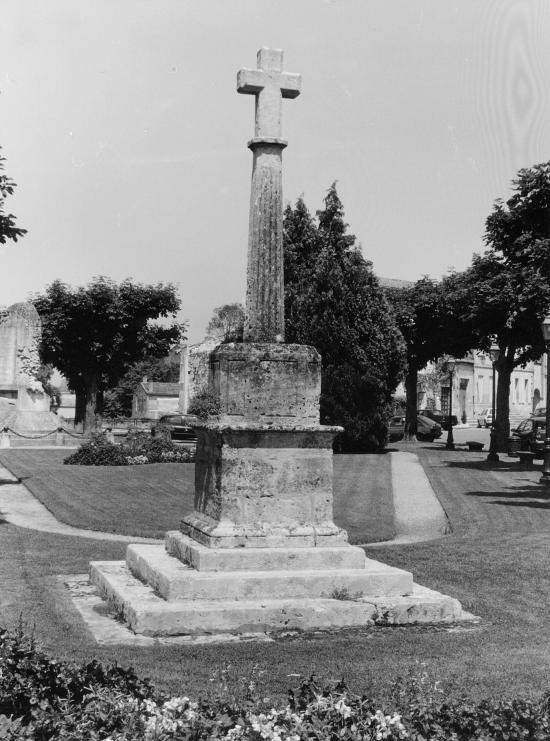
x=97, y=452
x=205, y=404
x=35, y=688
x=139, y=449
x=41, y=698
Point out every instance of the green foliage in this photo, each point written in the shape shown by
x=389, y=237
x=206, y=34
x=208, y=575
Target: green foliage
x=138, y=448
x=94, y=333
x=118, y=400
x=8, y=230
x=42, y=694
x=434, y=322
x=204, y=404
x=506, y=291
x=97, y=452
x=44, y=375
x=227, y=323
x=333, y=301
x=42, y=698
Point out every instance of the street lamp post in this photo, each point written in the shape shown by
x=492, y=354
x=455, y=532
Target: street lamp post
x=450, y=445
x=493, y=455
x=545, y=478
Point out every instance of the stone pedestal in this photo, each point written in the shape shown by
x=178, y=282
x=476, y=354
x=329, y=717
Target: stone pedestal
x=261, y=552
x=31, y=418
x=263, y=475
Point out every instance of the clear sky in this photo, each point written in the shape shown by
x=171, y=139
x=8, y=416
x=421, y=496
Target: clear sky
x=121, y=125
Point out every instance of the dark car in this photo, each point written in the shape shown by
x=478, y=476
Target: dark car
x=426, y=429
x=531, y=432
x=180, y=427
x=440, y=417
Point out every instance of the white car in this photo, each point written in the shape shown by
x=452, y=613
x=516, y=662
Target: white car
x=485, y=418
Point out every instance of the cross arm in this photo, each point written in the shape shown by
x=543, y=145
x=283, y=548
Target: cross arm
x=252, y=81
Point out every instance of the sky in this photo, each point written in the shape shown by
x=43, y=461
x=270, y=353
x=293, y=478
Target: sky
x=121, y=125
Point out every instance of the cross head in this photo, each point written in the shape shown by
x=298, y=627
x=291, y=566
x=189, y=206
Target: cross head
x=270, y=85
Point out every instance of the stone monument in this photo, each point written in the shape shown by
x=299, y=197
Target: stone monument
x=20, y=333
x=260, y=551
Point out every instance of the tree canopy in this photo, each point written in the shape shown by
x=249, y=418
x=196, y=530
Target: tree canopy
x=506, y=291
x=333, y=301
x=431, y=316
x=8, y=229
x=227, y=323
x=94, y=333
x=118, y=400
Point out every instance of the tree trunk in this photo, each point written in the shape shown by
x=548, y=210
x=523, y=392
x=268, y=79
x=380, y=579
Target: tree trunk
x=80, y=409
x=411, y=383
x=504, y=367
x=92, y=415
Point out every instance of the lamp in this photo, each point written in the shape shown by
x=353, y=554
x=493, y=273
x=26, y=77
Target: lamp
x=494, y=354
x=545, y=478
x=450, y=444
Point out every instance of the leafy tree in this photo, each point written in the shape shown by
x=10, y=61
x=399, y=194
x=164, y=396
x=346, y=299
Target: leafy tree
x=432, y=318
x=333, y=302
x=44, y=375
x=118, y=400
x=8, y=230
x=227, y=323
x=94, y=333
x=507, y=289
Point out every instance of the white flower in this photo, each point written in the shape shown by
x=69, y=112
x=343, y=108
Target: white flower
x=341, y=707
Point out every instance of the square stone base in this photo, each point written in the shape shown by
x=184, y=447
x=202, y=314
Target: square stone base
x=259, y=485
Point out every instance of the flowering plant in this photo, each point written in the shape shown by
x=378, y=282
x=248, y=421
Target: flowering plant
x=326, y=716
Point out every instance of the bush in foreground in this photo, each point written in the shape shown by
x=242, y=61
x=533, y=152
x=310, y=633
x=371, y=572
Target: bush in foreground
x=139, y=449
x=41, y=698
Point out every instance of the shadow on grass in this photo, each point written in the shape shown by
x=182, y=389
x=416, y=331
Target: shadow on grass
x=485, y=465
x=533, y=504
x=533, y=492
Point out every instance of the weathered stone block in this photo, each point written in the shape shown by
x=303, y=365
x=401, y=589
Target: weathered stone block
x=262, y=486
x=174, y=580
x=340, y=556
x=267, y=383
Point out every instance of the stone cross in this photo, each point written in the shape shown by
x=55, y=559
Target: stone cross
x=270, y=85
x=264, y=320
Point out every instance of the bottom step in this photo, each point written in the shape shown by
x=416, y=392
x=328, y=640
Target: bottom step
x=148, y=614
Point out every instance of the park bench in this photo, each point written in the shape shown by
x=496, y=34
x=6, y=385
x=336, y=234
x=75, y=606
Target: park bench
x=526, y=456
x=474, y=445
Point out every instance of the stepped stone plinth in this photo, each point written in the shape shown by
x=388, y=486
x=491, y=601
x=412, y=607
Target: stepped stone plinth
x=261, y=552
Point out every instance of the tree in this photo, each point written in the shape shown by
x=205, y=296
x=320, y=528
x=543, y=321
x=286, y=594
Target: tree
x=507, y=289
x=333, y=302
x=432, y=318
x=8, y=230
x=94, y=333
x=118, y=400
x=227, y=323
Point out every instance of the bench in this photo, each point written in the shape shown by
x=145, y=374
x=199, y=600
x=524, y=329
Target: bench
x=474, y=445
x=526, y=456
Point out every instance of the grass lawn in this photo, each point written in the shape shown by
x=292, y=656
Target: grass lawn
x=495, y=562
x=149, y=500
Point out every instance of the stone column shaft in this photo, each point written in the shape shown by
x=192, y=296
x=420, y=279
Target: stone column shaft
x=265, y=275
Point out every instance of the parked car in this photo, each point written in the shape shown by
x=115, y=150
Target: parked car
x=485, y=418
x=531, y=432
x=426, y=429
x=180, y=427
x=440, y=417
